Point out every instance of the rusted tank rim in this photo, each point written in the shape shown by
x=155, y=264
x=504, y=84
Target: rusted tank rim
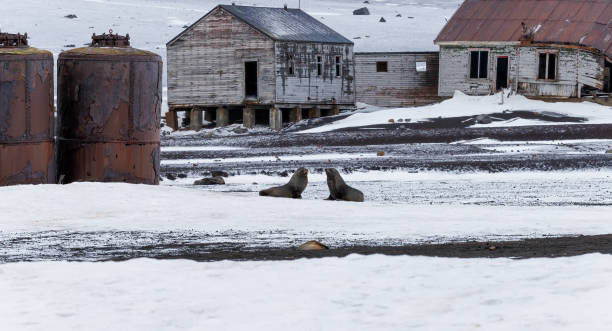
x=110, y=40
x=13, y=40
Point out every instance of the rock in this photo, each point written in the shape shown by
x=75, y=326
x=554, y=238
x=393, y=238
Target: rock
x=70, y=45
x=210, y=181
x=366, y=1
x=382, y=20
x=219, y=173
x=185, y=26
x=381, y=153
x=312, y=246
x=483, y=119
x=407, y=120
x=171, y=176
x=361, y=11
x=71, y=16
x=240, y=130
x=391, y=120
x=400, y=121
x=284, y=173
x=398, y=15
x=182, y=176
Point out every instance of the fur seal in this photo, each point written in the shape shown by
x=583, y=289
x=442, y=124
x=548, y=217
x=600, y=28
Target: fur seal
x=293, y=189
x=338, y=190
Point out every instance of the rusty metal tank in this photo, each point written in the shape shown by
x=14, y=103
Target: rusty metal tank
x=109, y=107
x=26, y=113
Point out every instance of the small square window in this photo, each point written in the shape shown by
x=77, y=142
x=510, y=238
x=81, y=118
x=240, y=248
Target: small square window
x=421, y=66
x=382, y=66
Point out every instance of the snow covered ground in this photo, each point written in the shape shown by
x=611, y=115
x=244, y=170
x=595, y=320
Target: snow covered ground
x=464, y=105
x=92, y=207
x=352, y=293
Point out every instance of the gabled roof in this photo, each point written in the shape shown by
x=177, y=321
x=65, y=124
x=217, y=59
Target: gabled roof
x=577, y=22
x=281, y=24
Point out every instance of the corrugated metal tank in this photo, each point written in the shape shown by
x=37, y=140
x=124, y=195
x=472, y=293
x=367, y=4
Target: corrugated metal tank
x=109, y=108
x=26, y=113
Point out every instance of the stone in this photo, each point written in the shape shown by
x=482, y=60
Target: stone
x=182, y=176
x=382, y=20
x=71, y=16
x=483, y=119
x=240, y=130
x=210, y=181
x=219, y=173
x=398, y=15
x=381, y=153
x=312, y=245
x=391, y=120
x=171, y=176
x=400, y=120
x=361, y=11
x=284, y=173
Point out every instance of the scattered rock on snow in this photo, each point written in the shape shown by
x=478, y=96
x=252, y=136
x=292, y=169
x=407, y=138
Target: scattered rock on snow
x=241, y=130
x=361, y=11
x=210, y=181
x=284, y=173
x=182, y=176
x=185, y=26
x=71, y=16
x=382, y=20
x=171, y=176
x=312, y=246
x=391, y=120
x=483, y=119
x=69, y=45
x=219, y=173
x=400, y=120
x=398, y=15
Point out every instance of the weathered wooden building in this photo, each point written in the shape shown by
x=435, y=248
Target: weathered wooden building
x=261, y=64
x=396, y=79
x=552, y=48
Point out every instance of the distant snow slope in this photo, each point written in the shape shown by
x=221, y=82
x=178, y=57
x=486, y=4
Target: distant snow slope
x=353, y=293
x=465, y=105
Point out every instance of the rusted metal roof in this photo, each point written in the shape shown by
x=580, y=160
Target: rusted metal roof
x=585, y=23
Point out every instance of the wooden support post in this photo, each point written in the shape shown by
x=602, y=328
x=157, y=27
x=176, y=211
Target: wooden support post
x=314, y=112
x=335, y=110
x=295, y=115
x=222, y=117
x=172, y=120
x=209, y=116
x=248, y=117
x=276, y=118
x=195, y=119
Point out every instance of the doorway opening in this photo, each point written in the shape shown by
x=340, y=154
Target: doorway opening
x=502, y=73
x=250, y=80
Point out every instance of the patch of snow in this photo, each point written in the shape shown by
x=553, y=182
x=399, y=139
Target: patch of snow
x=124, y=207
x=465, y=105
x=352, y=293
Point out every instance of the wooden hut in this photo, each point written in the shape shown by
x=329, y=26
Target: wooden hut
x=396, y=79
x=259, y=64
x=553, y=48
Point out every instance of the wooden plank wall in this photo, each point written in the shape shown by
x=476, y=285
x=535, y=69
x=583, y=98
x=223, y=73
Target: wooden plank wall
x=305, y=86
x=401, y=85
x=575, y=66
x=206, y=65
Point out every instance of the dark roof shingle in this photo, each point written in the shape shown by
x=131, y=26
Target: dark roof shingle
x=286, y=24
x=578, y=22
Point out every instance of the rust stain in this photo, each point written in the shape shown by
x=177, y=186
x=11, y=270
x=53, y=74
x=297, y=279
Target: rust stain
x=26, y=114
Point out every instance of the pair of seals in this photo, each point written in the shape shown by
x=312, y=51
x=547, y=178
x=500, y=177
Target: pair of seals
x=293, y=189
x=339, y=190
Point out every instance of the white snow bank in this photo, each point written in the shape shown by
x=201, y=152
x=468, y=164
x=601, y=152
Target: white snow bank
x=465, y=105
x=110, y=207
x=352, y=293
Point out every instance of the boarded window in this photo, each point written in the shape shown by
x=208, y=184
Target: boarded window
x=319, y=65
x=338, y=66
x=382, y=66
x=421, y=66
x=547, y=66
x=479, y=64
x=291, y=65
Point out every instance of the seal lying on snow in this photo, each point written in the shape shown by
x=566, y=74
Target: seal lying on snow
x=338, y=190
x=293, y=189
